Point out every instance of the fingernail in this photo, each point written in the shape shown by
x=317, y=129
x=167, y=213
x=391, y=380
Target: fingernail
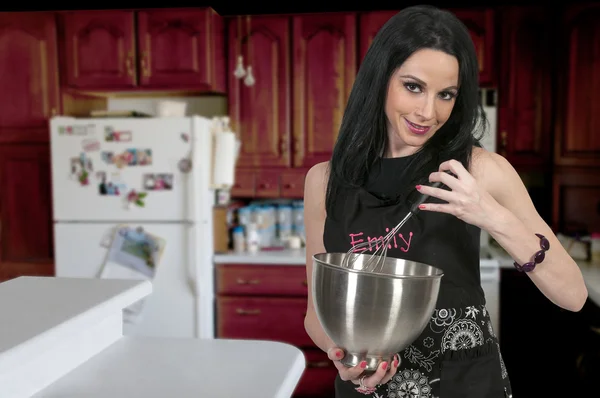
x=339, y=354
x=395, y=364
x=363, y=364
x=384, y=366
x=418, y=187
x=421, y=206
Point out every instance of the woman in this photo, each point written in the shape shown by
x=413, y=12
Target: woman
x=411, y=118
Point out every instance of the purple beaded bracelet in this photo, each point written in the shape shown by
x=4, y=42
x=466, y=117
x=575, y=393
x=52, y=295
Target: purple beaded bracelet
x=537, y=257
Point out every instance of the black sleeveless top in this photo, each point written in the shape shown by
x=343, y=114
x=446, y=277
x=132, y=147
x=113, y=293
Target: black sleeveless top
x=458, y=353
x=437, y=239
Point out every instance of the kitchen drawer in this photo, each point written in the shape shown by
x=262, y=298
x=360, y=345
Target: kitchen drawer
x=261, y=280
x=318, y=377
x=263, y=318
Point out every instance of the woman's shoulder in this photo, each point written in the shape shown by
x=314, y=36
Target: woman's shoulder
x=315, y=186
x=317, y=176
x=490, y=168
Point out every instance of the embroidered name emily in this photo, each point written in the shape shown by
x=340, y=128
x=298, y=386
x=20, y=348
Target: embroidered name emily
x=397, y=241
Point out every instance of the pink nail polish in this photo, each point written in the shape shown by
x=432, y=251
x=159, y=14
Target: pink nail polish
x=421, y=206
x=363, y=364
x=384, y=366
x=418, y=187
x=339, y=354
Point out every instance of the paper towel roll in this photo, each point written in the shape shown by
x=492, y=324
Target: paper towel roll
x=224, y=160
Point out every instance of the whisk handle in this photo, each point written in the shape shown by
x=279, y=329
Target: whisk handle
x=415, y=207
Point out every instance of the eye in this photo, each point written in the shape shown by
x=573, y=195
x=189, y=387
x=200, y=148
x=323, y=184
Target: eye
x=413, y=87
x=447, y=95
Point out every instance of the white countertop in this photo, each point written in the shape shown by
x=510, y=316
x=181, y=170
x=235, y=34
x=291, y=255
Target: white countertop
x=153, y=367
x=267, y=257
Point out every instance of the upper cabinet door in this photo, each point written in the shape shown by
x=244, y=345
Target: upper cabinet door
x=260, y=113
x=525, y=85
x=480, y=24
x=324, y=59
x=28, y=72
x=369, y=24
x=182, y=48
x=99, y=49
x=578, y=133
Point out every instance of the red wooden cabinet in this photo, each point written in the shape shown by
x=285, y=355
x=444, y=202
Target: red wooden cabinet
x=268, y=302
x=369, y=24
x=525, y=108
x=181, y=49
x=577, y=138
x=99, y=49
x=324, y=62
x=28, y=76
x=176, y=49
x=480, y=24
x=261, y=113
x=26, y=245
x=576, y=200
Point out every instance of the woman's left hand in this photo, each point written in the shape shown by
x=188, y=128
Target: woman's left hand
x=466, y=198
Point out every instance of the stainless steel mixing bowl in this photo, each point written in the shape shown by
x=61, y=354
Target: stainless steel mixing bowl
x=373, y=315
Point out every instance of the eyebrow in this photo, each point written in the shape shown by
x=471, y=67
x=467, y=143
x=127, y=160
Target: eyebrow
x=421, y=82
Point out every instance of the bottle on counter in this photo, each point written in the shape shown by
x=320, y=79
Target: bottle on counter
x=239, y=240
x=252, y=238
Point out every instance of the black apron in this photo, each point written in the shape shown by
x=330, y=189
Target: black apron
x=457, y=355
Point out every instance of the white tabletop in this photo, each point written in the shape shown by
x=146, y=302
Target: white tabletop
x=34, y=310
x=154, y=367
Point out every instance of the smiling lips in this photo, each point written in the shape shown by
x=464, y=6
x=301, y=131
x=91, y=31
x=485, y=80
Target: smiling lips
x=417, y=128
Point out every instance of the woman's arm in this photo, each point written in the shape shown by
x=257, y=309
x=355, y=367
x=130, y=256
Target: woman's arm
x=494, y=198
x=314, y=221
x=514, y=226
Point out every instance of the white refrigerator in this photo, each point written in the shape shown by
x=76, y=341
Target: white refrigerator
x=148, y=176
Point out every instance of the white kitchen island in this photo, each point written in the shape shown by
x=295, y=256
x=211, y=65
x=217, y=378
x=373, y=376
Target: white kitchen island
x=62, y=337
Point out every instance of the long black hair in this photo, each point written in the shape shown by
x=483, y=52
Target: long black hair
x=363, y=137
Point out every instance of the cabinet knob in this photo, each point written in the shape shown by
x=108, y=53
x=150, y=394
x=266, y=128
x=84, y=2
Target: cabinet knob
x=241, y=311
x=241, y=281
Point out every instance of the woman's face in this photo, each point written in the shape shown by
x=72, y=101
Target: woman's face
x=420, y=98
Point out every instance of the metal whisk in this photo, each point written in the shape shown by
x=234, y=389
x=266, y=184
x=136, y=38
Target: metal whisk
x=377, y=258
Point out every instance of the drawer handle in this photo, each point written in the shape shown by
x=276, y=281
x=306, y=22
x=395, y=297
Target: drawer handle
x=241, y=311
x=318, y=364
x=241, y=281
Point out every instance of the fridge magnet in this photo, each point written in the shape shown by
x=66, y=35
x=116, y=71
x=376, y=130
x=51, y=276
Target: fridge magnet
x=80, y=168
x=90, y=145
x=110, y=135
x=110, y=187
x=136, y=249
x=136, y=198
x=144, y=157
x=185, y=165
x=185, y=137
x=138, y=157
x=121, y=160
x=107, y=157
x=158, y=182
x=62, y=130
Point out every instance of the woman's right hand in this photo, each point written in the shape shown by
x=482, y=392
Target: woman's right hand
x=382, y=375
